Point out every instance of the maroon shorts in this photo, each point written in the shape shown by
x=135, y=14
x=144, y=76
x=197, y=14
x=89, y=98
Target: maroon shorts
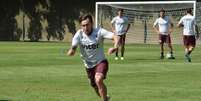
x=164, y=39
x=189, y=40
x=102, y=67
x=122, y=39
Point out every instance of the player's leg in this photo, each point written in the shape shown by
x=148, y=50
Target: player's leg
x=169, y=42
x=91, y=76
x=190, y=49
x=119, y=43
x=101, y=72
x=192, y=43
x=116, y=54
x=161, y=42
x=162, y=50
x=123, y=37
x=189, y=45
x=187, y=54
x=186, y=45
x=101, y=86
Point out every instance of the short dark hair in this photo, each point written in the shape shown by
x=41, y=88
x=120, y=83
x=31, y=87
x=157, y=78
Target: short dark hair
x=120, y=9
x=162, y=10
x=84, y=17
x=189, y=10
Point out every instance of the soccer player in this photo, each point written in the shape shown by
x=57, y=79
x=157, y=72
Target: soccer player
x=120, y=26
x=189, y=36
x=90, y=42
x=164, y=30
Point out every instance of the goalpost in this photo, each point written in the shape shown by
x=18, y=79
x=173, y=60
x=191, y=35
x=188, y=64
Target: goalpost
x=142, y=16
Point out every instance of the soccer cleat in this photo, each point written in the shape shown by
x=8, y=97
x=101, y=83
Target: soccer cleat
x=116, y=58
x=172, y=57
x=122, y=58
x=108, y=98
x=161, y=57
x=188, y=58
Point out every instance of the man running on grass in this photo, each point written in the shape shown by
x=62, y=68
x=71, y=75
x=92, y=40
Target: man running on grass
x=189, y=36
x=90, y=42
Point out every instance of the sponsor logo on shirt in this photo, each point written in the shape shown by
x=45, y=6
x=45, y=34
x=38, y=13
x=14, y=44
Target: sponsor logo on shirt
x=92, y=46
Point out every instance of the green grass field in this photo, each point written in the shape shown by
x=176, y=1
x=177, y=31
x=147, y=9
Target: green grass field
x=42, y=72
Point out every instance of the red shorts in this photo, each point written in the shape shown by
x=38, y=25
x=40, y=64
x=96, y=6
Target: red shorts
x=189, y=40
x=164, y=39
x=102, y=67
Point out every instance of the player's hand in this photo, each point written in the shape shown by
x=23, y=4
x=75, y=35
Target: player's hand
x=170, y=31
x=111, y=50
x=113, y=30
x=71, y=52
x=157, y=32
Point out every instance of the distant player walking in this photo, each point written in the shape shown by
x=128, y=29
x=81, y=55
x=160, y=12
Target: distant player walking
x=189, y=36
x=90, y=42
x=164, y=30
x=120, y=26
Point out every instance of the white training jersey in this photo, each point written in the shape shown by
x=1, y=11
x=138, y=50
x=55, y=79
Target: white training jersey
x=120, y=24
x=91, y=47
x=188, y=21
x=163, y=25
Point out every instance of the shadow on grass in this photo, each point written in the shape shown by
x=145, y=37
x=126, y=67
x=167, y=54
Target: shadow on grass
x=5, y=100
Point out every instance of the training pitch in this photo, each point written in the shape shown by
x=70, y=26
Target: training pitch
x=41, y=71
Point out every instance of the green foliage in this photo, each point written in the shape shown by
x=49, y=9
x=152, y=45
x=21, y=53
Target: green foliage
x=35, y=29
x=58, y=13
x=7, y=22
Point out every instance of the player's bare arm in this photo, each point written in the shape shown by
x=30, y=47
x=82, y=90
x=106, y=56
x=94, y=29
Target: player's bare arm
x=171, y=27
x=113, y=28
x=128, y=27
x=156, y=29
x=180, y=25
x=72, y=51
x=197, y=32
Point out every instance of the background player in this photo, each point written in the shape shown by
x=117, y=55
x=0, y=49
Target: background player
x=189, y=36
x=164, y=30
x=120, y=26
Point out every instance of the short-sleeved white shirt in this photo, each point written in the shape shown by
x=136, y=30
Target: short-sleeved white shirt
x=163, y=24
x=91, y=47
x=120, y=24
x=188, y=21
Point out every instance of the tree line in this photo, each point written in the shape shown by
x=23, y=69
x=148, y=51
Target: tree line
x=56, y=12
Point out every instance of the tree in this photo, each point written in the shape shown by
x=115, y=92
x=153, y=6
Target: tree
x=59, y=13
x=8, y=10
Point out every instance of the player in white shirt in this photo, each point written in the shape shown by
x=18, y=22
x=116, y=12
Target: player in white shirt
x=90, y=41
x=163, y=27
x=120, y=26
x=189, y=36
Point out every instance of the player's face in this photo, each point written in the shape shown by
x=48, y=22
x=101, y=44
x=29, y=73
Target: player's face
x=162, y=14
x=120, y=13
x=86, y=26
